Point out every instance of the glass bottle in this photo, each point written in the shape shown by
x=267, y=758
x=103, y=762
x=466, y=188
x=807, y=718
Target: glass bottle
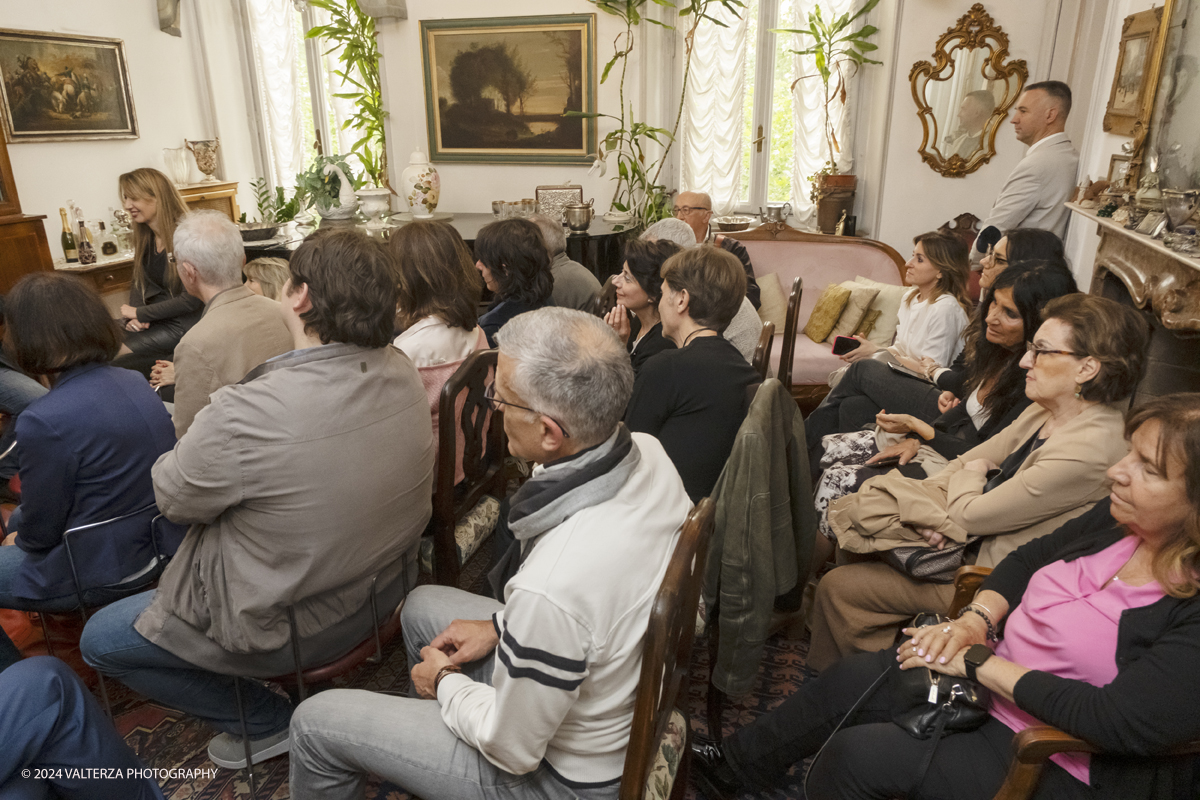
x=70, y=250
x=108, y=242
x=87, y=253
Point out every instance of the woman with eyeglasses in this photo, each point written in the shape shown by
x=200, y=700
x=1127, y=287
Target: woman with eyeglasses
x=1046, y=468
x=639, y=288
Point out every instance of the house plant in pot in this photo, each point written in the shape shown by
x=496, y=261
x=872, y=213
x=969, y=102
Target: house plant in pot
x=329, y=183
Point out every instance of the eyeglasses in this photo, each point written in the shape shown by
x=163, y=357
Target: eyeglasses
x=1030, y=347
x=494, y=402
x=679, y=211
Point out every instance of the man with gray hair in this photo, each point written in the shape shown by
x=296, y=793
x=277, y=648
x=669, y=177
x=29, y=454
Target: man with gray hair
x=574, y=285
x=549, y=714
x=238, y=330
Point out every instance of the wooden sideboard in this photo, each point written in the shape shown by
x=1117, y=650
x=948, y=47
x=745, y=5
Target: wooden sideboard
x=219, y=196
x=23, y=244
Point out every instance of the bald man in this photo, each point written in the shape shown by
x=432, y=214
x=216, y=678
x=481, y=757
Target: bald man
x=1034, y=194
x=695, y=208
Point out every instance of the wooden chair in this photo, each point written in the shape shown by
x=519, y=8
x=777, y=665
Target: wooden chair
x=787, y=348
x=660, y=728
x=484, y=449
x=606, y=299
x=762, y=352
x=1033, y=746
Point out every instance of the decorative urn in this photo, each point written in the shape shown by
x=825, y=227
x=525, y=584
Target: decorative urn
x=421, y=186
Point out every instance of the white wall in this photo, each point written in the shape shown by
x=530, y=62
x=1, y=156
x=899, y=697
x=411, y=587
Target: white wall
x=170, y=100
x=472, y=187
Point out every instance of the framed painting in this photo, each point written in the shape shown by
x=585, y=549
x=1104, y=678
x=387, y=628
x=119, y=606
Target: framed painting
x=1127, y=100
x=1118, y=170
x=496, y=89
x=59, y=87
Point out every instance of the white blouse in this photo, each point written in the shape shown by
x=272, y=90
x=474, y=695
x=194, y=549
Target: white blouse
x=930, y=329
x=430, y=341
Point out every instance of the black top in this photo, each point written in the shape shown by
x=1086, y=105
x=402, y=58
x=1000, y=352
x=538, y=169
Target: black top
x=694, y=400
x=1154, y=702
x=500, y=312
x=651, y=344
x=954, y=432
x=155, y=302
x=739, y=250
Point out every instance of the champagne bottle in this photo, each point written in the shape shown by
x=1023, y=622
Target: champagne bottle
x=87, y=253
x=70, y=251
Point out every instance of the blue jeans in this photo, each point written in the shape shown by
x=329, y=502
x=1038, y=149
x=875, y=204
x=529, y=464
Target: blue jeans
x=112, y=646
x=16, y=392
x=49, y=720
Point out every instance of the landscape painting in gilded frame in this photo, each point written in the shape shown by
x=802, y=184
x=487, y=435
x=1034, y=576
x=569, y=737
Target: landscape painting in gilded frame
x=496, y=89
x=57, y=86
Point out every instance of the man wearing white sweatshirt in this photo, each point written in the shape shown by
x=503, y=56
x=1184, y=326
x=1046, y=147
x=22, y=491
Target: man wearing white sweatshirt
x=532, y=697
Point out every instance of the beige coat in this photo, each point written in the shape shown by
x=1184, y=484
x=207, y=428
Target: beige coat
x=1062, y=479
x=300, y=483
x=239, y=331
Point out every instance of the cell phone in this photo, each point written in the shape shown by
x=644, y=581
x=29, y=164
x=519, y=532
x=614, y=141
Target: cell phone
x=890, y=461
x=844, y=344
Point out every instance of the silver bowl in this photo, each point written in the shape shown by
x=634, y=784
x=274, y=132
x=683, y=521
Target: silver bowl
x=258, y=231
x=734, y=223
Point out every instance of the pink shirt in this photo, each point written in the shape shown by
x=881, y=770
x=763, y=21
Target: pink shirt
x=1066, y=625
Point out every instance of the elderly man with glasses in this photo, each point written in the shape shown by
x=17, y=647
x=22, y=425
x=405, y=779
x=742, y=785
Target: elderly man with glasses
x=695, y=208
x=532, y=696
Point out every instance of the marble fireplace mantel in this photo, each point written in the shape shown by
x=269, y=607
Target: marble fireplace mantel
x=1158, y=279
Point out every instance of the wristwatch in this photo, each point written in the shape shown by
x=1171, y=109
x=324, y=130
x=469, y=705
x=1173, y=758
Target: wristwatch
x=974, y=657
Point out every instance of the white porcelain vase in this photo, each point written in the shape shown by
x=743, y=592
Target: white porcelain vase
x=421, y=186
x=374, y=203
x=348, y=203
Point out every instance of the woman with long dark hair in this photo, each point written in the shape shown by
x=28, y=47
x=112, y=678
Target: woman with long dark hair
x=511, y=256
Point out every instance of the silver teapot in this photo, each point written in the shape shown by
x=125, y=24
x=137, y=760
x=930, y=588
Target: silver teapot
x=777, y=212
x=579, y=216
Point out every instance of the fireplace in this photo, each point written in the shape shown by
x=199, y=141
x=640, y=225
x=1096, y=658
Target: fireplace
x=1138, y=271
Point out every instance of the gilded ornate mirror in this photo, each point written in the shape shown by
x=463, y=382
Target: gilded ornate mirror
x=965, y=93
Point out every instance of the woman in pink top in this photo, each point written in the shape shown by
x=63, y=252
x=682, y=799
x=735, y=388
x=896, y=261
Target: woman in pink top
x=1100, y=636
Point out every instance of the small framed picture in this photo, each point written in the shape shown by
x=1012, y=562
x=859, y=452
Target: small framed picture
x=1153, y=223
x=1118, y=170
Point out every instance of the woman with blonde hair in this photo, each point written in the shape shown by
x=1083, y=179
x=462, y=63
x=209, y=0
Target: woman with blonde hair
x=266, y=276
x=159, y=311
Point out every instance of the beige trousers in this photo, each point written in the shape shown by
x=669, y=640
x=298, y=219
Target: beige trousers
x=860, y=607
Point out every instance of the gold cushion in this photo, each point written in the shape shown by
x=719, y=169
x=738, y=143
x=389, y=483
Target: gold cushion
x=772, y=302
x=868, y=324
x=861, y=297
x=887, y=303
x=826, y=312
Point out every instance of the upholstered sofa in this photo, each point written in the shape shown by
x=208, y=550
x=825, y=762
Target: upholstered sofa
x=819, y=259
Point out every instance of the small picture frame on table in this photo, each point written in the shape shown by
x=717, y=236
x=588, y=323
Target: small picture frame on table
x=1153, y=224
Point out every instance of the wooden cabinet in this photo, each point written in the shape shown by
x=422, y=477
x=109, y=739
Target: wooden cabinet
x=219, y=196
x=23, y=244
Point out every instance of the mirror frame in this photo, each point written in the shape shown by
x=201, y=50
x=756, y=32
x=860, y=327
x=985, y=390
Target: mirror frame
x=1145, y=127
x=974, y=30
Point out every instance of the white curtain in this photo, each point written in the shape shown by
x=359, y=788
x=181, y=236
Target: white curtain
x=273, y=37
x=713, y=122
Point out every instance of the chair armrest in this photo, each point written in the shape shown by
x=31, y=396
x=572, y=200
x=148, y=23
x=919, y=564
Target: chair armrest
x=1037, y=743
x=967, y=581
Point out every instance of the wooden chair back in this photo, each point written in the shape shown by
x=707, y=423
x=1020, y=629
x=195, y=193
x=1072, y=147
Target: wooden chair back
x=762, y=352
x=484, y=449
x=667, y=654
x=787, y=348
x=607, y=299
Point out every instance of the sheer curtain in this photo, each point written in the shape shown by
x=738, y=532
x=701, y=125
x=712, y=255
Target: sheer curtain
x=272, y=34
x=713, y=118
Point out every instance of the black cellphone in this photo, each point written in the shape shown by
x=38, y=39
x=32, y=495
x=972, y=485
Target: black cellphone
x=844, y=344
x=884, y=463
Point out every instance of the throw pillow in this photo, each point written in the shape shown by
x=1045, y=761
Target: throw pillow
x=772, y=302
x=861, y=297
x=887, y=302
x=868, y=324
x=826, y=312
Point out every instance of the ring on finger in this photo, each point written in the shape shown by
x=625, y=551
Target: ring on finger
x=946, y=629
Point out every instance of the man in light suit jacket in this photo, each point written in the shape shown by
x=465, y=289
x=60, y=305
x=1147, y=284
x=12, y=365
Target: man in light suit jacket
x=1035, y=191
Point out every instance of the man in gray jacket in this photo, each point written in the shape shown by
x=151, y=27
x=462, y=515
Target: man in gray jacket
x=301, y=484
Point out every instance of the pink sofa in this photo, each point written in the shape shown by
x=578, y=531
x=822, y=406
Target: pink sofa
x=819, y=259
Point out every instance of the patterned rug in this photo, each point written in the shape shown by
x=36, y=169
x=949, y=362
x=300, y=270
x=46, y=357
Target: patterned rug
x=177, y=743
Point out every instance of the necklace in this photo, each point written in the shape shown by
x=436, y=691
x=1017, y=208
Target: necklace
x=688, y=338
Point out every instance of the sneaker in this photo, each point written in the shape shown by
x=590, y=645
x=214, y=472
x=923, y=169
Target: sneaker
x=226, y=750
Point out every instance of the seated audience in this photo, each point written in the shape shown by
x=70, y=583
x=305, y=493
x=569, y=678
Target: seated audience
x=87, y=449
x=17, y=391
x=694, y=398
x=1100, y=625
x=933, y=317
x=53, y=728
x=989, y=392
x=301, y=483
x=511, y=256
x=1044, y=469
x=159, y=311
x=266, y=276
x=695, y=208
x=439, y=293
x=549, y=714
x=639, y=289
x=574, y=284
x=239, y=329
x=1022, y=244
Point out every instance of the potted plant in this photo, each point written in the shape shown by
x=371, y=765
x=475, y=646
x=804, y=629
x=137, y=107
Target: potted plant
x=330, y=184
x=835, y=48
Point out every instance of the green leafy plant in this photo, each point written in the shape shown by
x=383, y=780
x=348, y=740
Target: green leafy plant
x=274, y=207
x=835, y=48
x=323, y=189
x=638, y=190
x=354, y=32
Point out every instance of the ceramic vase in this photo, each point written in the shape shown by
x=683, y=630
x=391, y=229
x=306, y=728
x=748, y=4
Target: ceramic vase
x=421, y=186
x=374, y=203
x=205, y=151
